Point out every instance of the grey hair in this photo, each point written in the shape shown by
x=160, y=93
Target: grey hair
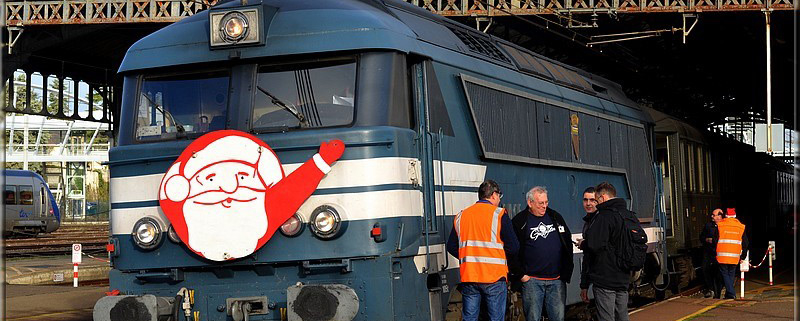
x=535, y=190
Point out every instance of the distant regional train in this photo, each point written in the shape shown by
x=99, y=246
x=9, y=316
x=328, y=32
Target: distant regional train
x=427, y=108
x=29, y=205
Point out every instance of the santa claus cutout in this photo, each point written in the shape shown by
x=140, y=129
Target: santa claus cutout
x=226, y=194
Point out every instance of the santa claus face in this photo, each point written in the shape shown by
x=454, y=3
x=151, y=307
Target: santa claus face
x=226, y=207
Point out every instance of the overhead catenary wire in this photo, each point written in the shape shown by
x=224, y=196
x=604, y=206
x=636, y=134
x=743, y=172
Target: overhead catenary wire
x=644, y=34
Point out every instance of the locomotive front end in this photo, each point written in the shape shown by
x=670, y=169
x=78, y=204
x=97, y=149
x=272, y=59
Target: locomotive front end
x=264, y=169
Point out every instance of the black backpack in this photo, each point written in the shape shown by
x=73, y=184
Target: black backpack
x=632, y=247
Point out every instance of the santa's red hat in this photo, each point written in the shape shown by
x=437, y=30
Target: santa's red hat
x=219, y=147
x=731, y=212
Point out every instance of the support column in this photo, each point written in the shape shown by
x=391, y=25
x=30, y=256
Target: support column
x=25, y=141
x=769, y=83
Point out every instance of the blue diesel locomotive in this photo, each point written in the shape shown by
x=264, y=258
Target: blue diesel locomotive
x=427, y=108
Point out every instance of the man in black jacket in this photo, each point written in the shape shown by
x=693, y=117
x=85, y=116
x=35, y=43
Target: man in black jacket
x=544, y=263
x=709, y=237
x=590, y=207
x=609, y=280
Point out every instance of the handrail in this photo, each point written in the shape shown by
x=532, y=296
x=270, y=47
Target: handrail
x=439, y=142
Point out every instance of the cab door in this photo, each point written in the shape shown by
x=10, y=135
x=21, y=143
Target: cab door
x=432, y=127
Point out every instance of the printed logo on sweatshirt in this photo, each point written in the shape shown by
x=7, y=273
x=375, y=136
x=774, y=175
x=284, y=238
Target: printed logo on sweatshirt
x=541, y=230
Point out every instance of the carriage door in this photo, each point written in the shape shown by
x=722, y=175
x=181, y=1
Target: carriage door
x=433, y=126
x=42, y=201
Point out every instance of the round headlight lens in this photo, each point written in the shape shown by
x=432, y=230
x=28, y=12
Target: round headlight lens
x=325, y=222
x=293, y=226
x=173, y=236
x=234, y=26
x=147, y=233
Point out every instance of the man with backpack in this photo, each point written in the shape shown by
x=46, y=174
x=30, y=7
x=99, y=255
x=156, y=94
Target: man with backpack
x=615, y=244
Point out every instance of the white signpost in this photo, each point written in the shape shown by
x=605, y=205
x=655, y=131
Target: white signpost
x=76, y=260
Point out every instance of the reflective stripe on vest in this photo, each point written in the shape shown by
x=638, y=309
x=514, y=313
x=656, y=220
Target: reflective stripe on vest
x=480, y=248
x=491, y=245
x=729, y=246
x=736, y=255
x=482, y=259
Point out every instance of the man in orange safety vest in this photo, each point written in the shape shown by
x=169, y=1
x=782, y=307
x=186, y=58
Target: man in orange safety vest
x=482, y=238
x=731, y=249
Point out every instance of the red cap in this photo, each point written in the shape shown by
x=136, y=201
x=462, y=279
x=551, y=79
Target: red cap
x=731, y=212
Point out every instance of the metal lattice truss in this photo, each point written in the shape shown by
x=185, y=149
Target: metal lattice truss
x=120, y=11
x=532, y=7
x=100, y=11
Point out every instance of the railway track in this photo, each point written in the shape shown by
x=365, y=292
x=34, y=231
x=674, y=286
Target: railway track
x=93, y=237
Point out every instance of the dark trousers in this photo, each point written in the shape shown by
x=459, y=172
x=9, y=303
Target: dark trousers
x=728, y=272
x=711, y=276
x=611, y=305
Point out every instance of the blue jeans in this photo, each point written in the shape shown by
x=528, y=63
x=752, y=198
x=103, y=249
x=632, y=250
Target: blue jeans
x=548, y=294
x=728, y=272
x=495, y=295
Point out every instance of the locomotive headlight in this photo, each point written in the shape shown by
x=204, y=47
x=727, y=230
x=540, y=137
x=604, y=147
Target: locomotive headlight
x=172, y=235
x=235, y=28
x=293, y=226
x=326, y=223
x=147, y=233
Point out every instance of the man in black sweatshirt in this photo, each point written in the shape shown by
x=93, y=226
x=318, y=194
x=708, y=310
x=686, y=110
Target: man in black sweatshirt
x=609, y=280
x=544, y=263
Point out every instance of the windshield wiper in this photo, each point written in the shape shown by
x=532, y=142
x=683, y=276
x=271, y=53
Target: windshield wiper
x=290, y=107
x=178, y=126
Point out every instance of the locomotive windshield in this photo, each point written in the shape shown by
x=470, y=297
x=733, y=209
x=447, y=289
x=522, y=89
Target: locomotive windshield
x=304, y=96
x=182, y=105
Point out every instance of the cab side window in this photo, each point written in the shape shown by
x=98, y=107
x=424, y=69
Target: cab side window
x=26, y=195
x=10, y=195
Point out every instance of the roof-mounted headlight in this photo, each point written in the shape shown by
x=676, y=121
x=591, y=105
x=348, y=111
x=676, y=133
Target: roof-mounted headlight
x=238, y=27
x=234, y=26
x=147, y=233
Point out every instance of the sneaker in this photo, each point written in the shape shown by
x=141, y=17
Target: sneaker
x=707, y=293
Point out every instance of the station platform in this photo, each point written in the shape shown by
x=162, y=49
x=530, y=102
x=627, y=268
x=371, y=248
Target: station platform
x=761, y=302
x=53, y=270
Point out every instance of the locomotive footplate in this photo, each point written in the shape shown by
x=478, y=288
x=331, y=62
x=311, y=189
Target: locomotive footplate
x=334, y=302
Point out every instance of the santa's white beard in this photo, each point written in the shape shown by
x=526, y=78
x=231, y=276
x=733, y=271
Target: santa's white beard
x=221, y=233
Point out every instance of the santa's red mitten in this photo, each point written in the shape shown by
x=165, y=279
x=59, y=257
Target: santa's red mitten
x=331, y=151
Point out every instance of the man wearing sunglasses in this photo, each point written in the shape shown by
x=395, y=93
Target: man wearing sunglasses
x=482, y=238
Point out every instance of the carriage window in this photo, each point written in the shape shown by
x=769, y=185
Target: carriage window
x=26, y=195
x=10, y=195
x=304, y=96
x=701, y=175
x=690, y=167
x=183, y=105
x=685, y=166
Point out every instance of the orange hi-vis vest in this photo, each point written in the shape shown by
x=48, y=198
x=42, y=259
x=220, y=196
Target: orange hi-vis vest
x=480, y=249
x=729, y=247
